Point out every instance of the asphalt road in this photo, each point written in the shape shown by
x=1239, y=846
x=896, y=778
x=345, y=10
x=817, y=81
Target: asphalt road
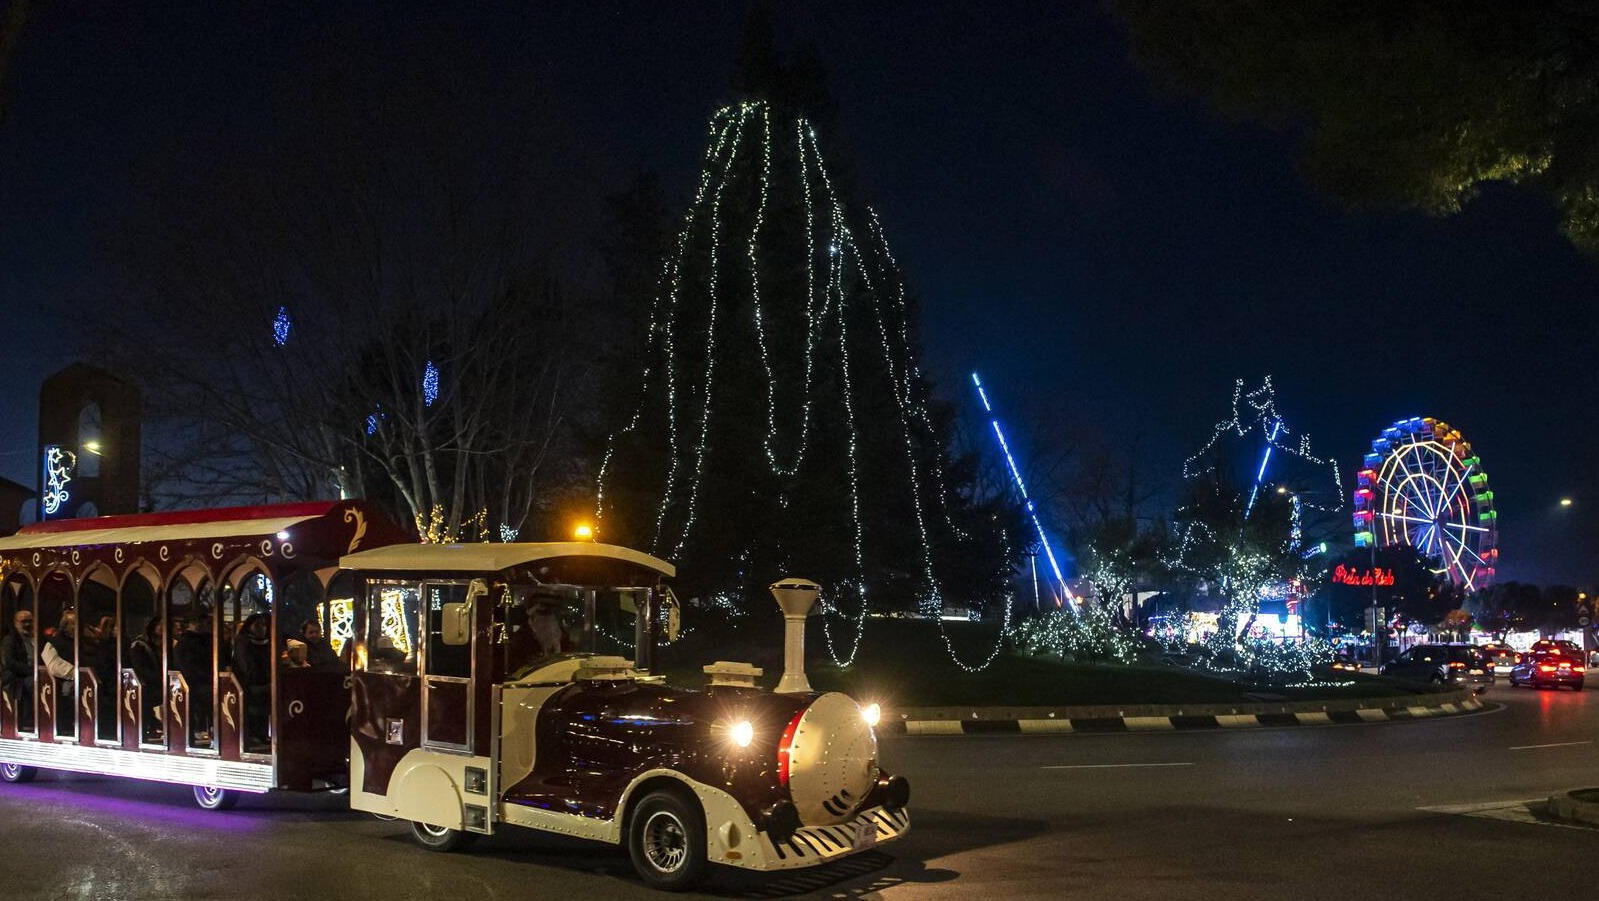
x=1422, y=809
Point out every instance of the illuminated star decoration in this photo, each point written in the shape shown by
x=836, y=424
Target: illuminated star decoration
x=281, y=326
x=854, y=300
x=59, y=465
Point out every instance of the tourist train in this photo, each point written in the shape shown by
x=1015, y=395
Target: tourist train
x=462, y=688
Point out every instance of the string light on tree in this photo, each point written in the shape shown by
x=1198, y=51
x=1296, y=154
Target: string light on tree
x=281, y=326
x=430, y=384
x=831, y=341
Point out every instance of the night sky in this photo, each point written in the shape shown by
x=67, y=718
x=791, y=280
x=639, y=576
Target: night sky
x=1105, y=254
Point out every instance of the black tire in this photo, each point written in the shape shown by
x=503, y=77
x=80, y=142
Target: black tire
x=666, y=840
x=442, y=839
x=1577, y=687
x=209, y=798
x=17, y=773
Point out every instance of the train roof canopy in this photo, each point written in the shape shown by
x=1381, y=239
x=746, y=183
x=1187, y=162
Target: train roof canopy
x=228, y=522
x=491, y=557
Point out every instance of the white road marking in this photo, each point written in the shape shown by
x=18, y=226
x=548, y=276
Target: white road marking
x=1107, y=766
x=1560, y=744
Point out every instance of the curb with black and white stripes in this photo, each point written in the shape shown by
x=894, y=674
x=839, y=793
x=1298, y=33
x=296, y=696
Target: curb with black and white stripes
x=999, y=721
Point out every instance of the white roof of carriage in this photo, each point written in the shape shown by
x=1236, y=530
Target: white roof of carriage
x=490, y=557
x=88, y=537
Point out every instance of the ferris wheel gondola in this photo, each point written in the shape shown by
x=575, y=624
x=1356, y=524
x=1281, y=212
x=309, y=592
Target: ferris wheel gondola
x=1423, y=486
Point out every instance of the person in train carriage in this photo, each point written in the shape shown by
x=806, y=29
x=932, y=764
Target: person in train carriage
x=252, y=663
x=319, y=653
x=19, y=656
x=192, y=656
x=144, y=657
x=59, y=655
x=103, y=661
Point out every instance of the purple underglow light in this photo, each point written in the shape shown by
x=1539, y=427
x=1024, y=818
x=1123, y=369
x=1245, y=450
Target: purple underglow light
x=1022, y=487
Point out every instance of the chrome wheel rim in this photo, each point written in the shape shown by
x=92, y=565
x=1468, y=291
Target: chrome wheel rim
x=435, y=832
x=208, y=796
x=665, y=841
x=10, y=770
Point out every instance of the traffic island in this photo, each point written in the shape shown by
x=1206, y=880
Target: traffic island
x=1579, y=805
x=1173, y=717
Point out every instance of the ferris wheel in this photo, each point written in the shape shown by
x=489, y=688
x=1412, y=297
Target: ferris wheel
x=1422, y=486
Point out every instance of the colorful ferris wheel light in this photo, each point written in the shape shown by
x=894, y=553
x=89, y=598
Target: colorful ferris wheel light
x=1421, y=485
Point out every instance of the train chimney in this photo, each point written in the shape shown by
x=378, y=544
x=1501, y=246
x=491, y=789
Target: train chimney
x=796, y=597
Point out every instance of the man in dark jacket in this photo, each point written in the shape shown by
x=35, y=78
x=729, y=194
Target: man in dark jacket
x=19, y=660
x=193, y=657
x=252, y=663
x=144, y=656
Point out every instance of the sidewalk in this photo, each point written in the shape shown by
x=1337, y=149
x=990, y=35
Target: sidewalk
x=1171, y=717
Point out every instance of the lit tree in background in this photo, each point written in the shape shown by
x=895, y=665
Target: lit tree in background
x=354, y=310
x=783, y=425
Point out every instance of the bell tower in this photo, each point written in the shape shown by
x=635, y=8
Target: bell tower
x=89, y=432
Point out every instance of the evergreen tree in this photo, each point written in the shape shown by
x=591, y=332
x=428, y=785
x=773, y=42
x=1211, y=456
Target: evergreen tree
x=783, y=426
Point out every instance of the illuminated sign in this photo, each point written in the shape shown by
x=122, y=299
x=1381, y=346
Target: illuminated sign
x=1344, y=575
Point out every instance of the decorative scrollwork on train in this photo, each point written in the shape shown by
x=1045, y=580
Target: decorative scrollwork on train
x=228, y=700
x=36, y=558
x=177, y=700
x=359, y=518
x=165, y=553
x=47, y=693
x=266, y=547
x=296, y=707
x=287, y=549
x=77, y=556
x=216, y=550
x=127, y=703
x=117, y=555
x=88, y=701
x=5, y=698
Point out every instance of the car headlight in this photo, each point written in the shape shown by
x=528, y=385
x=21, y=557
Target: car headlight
x=871, y=713
x=741, y=733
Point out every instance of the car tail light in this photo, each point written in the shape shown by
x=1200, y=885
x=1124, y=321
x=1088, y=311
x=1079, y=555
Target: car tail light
x=1577, y=669
x=785, y=747
x=1565, y=665
x=1457, y=665
x=1542, y=668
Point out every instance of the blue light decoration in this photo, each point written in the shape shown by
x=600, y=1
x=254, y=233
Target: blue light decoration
x=1010, y=461
x=430, y=384
x=59, y=466
x=281, y=326
x=264, y=586
x=1254, y=491
x=371, y=423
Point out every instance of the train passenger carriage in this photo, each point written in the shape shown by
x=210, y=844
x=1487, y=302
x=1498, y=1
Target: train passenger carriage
x=99, y=588
x=462, y=688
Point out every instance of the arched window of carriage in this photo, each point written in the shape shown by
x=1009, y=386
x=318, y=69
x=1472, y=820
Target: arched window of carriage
x=191, y=607
x=89, y=446
x=145, y=639
x=99, y=649
x=249, y=595
x=19, y=643
x=58, y=627
x=244, y=590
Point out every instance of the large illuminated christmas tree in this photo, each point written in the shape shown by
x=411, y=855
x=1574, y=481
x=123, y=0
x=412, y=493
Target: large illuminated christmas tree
x=782, y=423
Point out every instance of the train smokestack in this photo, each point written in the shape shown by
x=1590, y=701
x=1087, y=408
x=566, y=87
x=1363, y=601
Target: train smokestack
x=796, y=597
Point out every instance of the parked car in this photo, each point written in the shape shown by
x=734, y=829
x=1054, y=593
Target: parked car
x=1552, y=668
x=1457, y=664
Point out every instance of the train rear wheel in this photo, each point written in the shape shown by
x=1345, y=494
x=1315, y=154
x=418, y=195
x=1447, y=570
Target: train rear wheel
x=17, y=772
x=210, y=798
x=441, y=838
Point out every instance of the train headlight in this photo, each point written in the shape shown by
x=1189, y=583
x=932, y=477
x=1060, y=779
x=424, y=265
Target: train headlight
x=871, y=713
x=741, y=733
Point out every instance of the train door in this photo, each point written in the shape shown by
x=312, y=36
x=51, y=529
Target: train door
x=447, y=696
